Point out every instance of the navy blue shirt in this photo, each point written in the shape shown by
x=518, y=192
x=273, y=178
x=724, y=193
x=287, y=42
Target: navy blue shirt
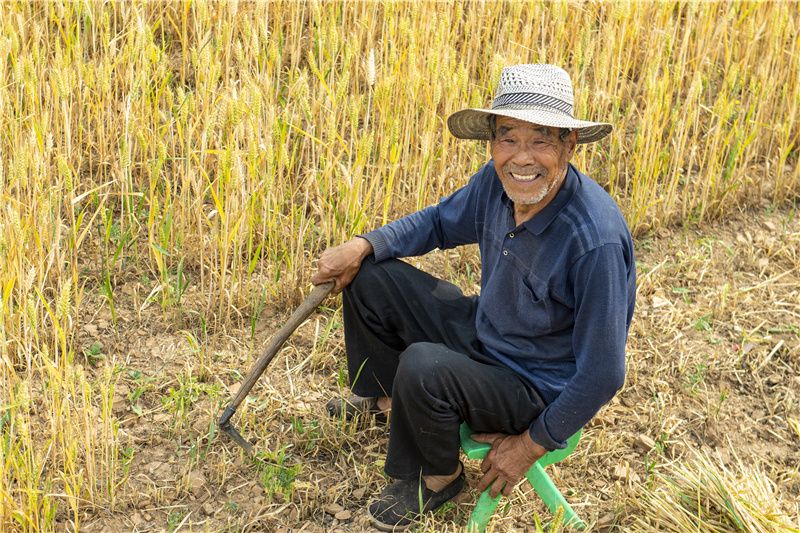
x=557, y=292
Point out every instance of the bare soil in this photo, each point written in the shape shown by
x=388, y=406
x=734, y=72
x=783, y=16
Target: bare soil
x=713, y=365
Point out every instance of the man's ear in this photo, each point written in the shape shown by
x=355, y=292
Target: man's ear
x=572, y=141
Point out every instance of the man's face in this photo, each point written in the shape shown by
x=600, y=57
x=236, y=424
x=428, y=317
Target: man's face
x=531, y=161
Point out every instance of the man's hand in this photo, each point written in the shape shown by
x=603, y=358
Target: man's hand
x=508, y=460
x=340, y=264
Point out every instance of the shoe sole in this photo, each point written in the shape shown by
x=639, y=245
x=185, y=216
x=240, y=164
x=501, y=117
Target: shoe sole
x=341, y=411
x=388, y=527
x=380, y=526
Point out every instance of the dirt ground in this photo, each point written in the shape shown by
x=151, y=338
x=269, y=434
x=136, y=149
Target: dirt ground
x=713, y=366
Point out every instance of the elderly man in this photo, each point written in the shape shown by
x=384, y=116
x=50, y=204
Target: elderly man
x=532, y=359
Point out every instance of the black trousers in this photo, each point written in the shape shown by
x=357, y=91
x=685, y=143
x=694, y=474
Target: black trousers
x=412, y=336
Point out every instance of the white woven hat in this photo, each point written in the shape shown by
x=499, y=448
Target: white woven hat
x=541, y=94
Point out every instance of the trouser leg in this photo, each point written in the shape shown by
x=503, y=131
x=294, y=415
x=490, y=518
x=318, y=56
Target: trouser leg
x=391, y=305
x=412, y=336
x=435, y=389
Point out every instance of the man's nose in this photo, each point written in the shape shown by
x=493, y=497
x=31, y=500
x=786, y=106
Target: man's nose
x=526, y=155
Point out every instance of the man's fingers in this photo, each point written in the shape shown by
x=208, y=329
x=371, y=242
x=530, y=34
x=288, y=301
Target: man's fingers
x=495, y=482
x=342, y=281
x=487, y=438
x=322, y=275
x=488, y=478
x=319, y=278
x=486, y=464
x=497, y=487
x=337, y=284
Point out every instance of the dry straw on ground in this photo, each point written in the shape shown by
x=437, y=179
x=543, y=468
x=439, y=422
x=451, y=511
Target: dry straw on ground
x=168, y=172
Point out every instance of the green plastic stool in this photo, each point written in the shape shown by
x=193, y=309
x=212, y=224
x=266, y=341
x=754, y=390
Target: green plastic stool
x=538, y=478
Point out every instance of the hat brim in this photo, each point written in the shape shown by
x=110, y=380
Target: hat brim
x=474, y=123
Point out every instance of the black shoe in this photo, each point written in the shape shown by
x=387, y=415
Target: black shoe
x=405, y=500
x=353, y=406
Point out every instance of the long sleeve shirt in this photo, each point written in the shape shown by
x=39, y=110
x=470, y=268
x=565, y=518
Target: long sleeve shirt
x=557, y=292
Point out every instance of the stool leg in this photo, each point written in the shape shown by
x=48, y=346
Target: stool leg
x=482, y=513
x=551, y=496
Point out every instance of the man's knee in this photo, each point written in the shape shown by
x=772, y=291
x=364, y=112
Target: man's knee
x=368, y=280
x=418, y=356
x=424, y=364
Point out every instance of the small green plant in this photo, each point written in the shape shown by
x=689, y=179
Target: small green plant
x=142, y=384
x=684, y=292
x=126, y=455
x=444, y=509
x=175, y=519
x=258, y=308
x=791, y=215
x=108, y=293
x=275, y=475
x=199, y=352
x=651, y=458
x=114, y=243
x=697, y=375
x=703, y=323
x=785, y=328
x=661, y=443
x=178, y=283
x=94, y=353
x=198, y=451
x=306, y=434
x=723, y=395
x=179, y=400
x=5, y=431
x=341, y=376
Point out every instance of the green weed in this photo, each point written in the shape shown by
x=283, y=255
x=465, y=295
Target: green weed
x=275, y=475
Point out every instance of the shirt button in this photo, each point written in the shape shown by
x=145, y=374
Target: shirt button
x=511, y=235
x=505, y=252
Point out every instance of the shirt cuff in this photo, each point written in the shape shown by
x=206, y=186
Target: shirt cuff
x=540, y=435
x=380, y=249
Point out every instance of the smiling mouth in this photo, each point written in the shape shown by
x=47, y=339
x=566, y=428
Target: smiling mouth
x=525, y=178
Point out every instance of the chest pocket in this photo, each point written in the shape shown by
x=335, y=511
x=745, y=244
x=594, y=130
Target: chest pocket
x=535, y=307
x=560, y=314
x=539, y=305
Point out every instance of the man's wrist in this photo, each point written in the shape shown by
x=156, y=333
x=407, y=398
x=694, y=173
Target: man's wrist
x=364, y=246
x=533, y=448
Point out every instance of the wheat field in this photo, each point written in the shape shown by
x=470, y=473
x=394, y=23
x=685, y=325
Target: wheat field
x=206, y=152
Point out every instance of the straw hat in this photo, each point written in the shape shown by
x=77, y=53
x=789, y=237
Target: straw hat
x=541, y=94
